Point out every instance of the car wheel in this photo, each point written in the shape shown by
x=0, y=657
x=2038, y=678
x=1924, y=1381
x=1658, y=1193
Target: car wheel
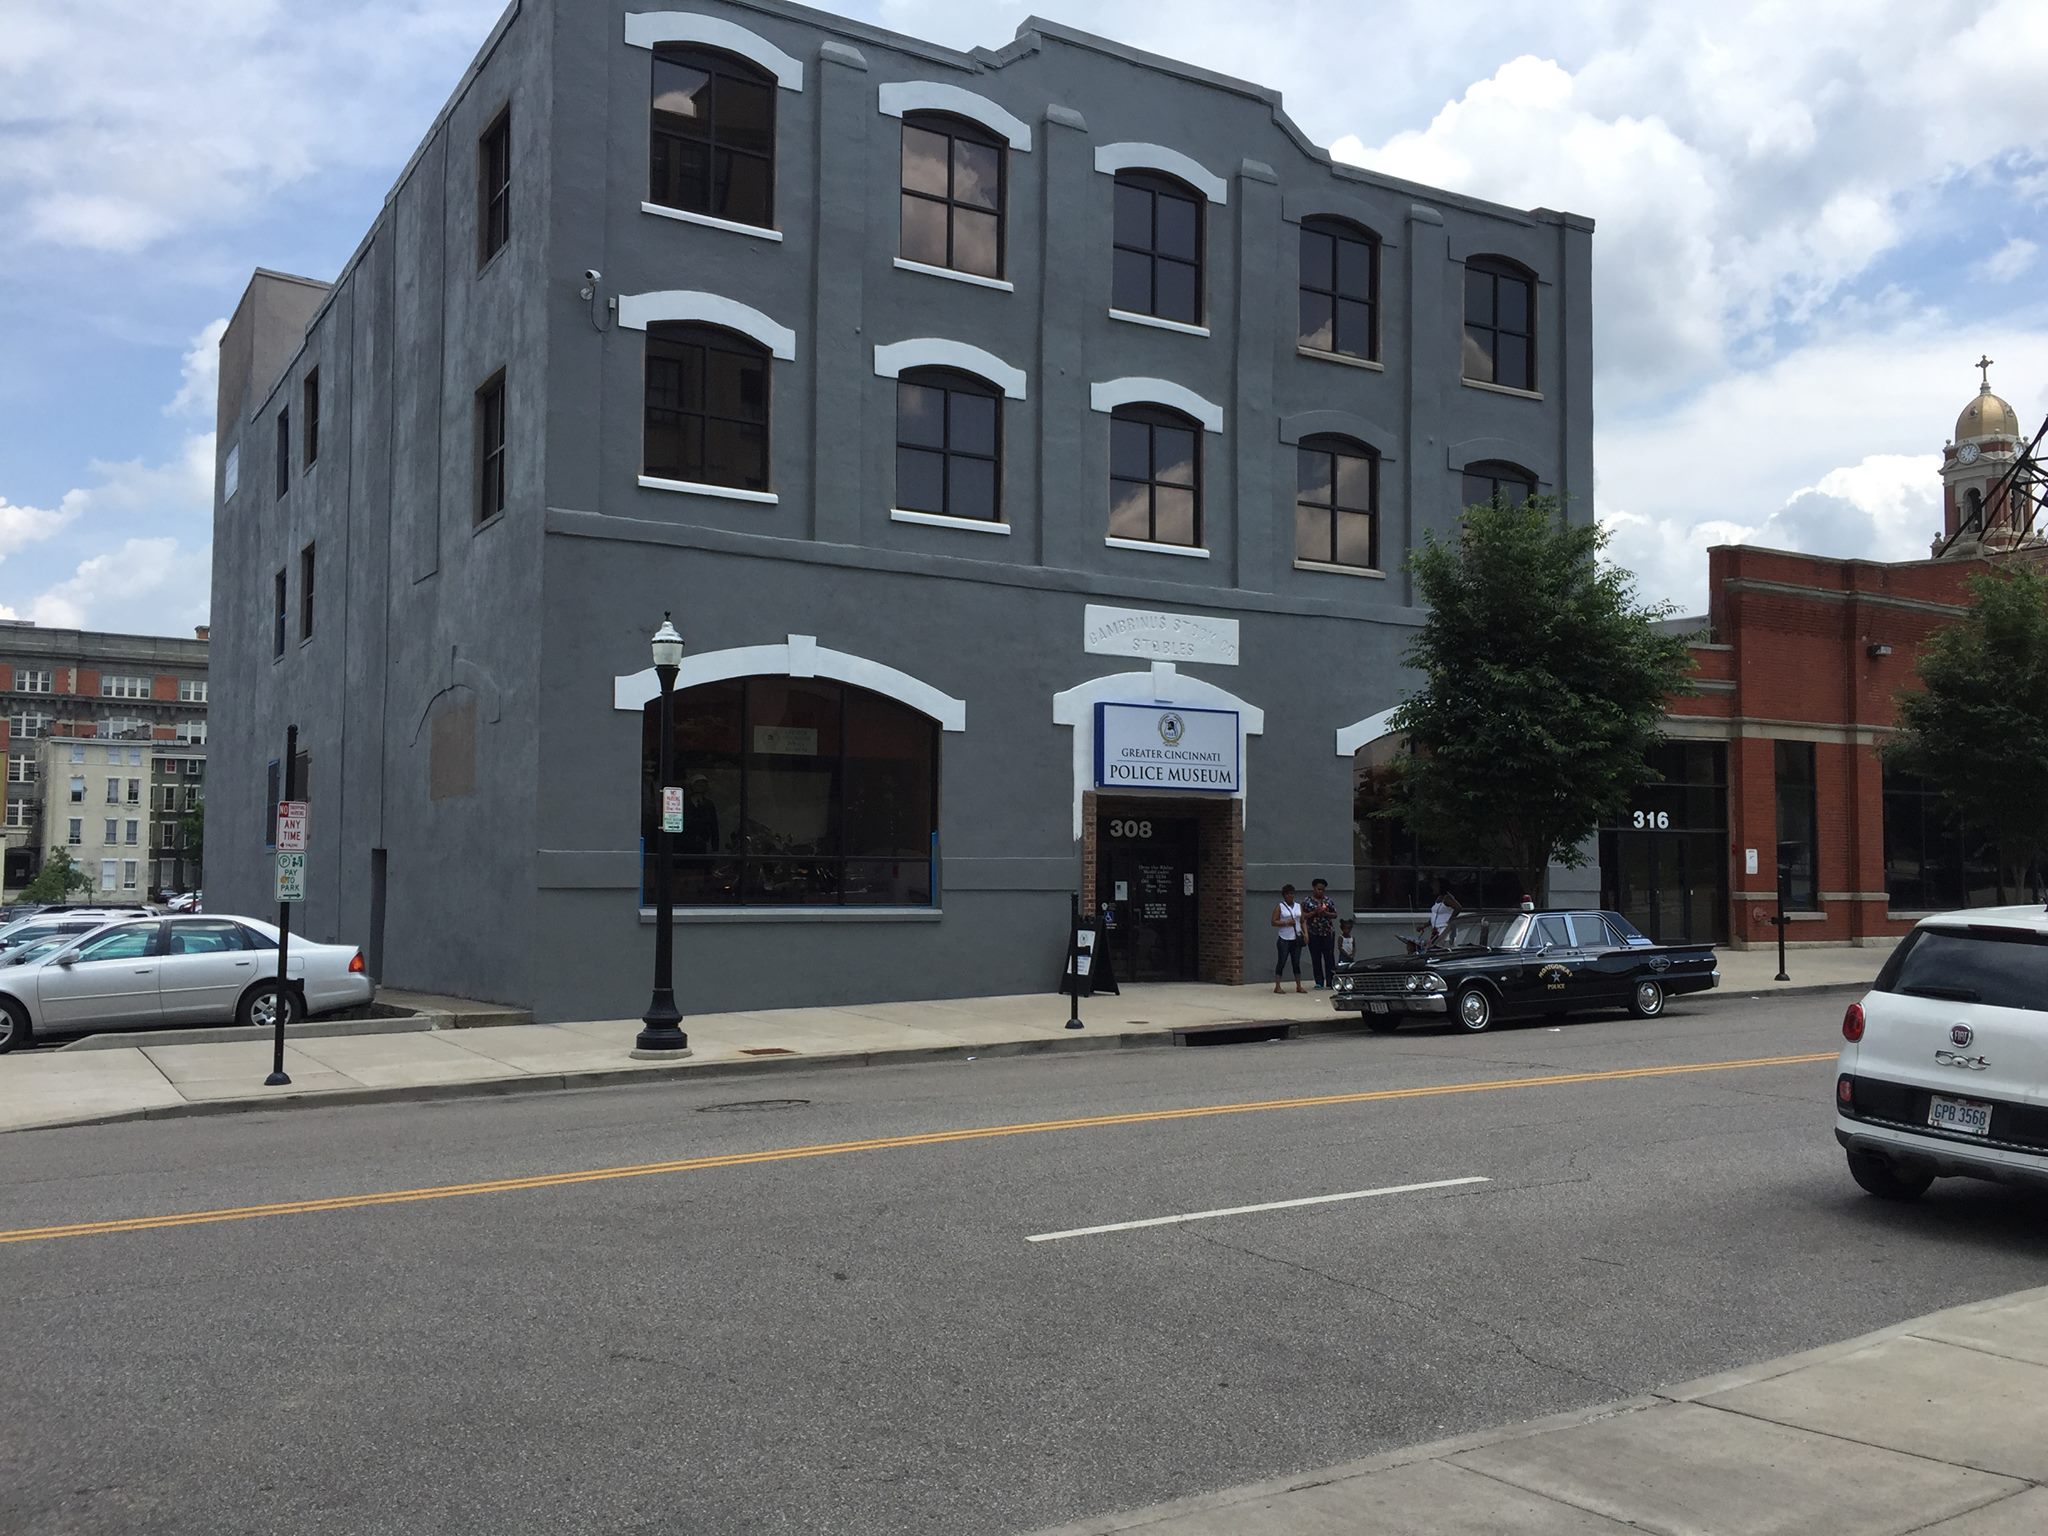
x=14, y=1025
x=1883, y=1180
x=259, y=1006
x=1474, y=1010
x=1647, y=1001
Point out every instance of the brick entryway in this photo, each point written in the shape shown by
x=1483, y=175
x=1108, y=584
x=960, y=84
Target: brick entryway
x=1219, y=869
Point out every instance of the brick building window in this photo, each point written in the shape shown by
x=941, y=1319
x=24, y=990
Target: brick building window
x=490, y=448
x=1508, y=483
x=1500, y=323
x=310, y=433
x=192, y=691
x=949, y=446
x=953, y=195
x=707, y=407
x=284, y=452
x=1155, y=477
x=712, y=120
x=306, y=594
x=27, y=680
x=280, y=609
x=1158, y=248
x=1933, y=861
x=1798, y=823
x=494, y=188
x=1340, y=285
x=1336, y=485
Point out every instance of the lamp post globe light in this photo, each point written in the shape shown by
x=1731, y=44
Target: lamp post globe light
x=661, y=1035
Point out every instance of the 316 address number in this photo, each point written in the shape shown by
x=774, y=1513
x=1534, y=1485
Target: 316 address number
x=1658, y=819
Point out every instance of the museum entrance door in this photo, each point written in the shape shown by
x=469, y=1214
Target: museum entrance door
x=1145, y=884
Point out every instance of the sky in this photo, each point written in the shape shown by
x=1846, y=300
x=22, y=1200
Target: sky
x=1813, y=219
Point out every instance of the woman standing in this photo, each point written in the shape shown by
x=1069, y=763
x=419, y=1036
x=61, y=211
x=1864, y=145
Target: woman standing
x=1287, y=923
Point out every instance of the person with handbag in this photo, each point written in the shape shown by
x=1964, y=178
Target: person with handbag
x=1287, y=925
x=1320, y=916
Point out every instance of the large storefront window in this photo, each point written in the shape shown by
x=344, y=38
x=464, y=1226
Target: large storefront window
x=1932, y=862
x=1394, y=871
x=797, y=792
x=1798, y=824
x=1664, y=861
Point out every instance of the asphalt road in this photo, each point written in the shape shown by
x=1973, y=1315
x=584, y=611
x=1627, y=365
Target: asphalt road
x=861, y=1338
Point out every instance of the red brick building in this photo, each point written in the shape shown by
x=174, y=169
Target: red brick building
x=1775, y=762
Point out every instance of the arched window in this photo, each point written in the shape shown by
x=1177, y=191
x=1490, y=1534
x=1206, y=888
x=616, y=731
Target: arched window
x=1158, y=252
x=1155, y=476
x=949, y=445
x=1340, y=288
x=1500, y=323
x=707, y=406
x=953, y=195
x=798, y=791
x=712, y=120
x=1336, y=503
x=1509, y=484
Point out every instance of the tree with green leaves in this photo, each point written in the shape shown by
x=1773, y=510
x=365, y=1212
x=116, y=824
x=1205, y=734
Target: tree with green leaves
x=58, y=879
x=1978, y=729
x=1543, y=686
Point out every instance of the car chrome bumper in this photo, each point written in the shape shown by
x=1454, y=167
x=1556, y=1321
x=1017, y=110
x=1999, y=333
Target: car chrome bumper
x=1359, y=1003
x=1941, y=1155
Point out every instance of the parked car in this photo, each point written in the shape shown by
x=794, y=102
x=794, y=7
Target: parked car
x=1944, y=1065
x=61, y=920
x=183, y=901
x=1490, y=966
x=142, y=973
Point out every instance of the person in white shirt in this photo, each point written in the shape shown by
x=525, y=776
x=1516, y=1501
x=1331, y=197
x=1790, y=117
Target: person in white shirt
x=1440, y=914
x=1287, y=925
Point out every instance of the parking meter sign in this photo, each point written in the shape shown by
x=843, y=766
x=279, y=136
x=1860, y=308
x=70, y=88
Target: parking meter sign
x=291, y=826
x=291, y=876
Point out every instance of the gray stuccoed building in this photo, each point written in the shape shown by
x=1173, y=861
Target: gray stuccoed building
x=1027, y=442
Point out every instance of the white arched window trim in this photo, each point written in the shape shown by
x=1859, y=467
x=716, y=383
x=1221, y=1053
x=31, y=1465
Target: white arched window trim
x=899, y=357
x=637, y=311
x=1363, y=733
x=1111, y=393
x=802, y=656
x=1163, y=684
x=1111, y=158
x=901, y=97
x=644, y=29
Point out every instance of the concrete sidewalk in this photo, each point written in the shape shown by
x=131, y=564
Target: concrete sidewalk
x=168, y=1074
x=1932, y=1427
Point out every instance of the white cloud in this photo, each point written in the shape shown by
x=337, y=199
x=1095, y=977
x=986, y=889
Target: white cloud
x=223, y=104
x=2012, y=259
x=200, y=386
x=146, y=586
x=21, y=526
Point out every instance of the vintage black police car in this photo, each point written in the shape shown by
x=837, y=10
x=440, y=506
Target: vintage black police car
x=1489, y=966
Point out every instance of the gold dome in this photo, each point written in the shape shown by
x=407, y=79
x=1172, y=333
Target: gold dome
x=1987, y=416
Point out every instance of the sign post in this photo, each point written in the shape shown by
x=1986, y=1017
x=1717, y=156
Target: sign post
x=291, y=887
x=1077, y=963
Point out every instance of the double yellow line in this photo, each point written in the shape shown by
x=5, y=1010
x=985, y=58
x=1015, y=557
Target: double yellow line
x=873, y=1144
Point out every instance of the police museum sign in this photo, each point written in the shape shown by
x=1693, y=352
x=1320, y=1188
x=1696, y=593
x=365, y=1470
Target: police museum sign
x=1159, y=636
x=1159, y=746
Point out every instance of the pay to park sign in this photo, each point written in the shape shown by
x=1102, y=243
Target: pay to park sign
x=291, y=850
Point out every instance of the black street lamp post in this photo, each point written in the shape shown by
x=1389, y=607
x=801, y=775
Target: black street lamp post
x=662, y=1035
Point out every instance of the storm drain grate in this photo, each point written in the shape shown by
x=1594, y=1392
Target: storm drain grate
x=766, y=1050
x=1232, y=1034
x=746, y=1104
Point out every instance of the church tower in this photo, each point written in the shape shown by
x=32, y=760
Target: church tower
x=1984, y=511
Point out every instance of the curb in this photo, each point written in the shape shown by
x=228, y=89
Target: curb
x=612, y=1077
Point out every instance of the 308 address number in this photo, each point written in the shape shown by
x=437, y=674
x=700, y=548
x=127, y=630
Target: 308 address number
x=1130, y=829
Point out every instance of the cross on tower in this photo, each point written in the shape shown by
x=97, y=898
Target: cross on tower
x=1984, y=367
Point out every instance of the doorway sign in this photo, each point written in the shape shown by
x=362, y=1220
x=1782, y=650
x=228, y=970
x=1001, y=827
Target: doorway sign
x=1172, y=747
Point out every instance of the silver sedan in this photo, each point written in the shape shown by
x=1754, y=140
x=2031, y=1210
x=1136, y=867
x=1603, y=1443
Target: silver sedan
x=143, y=973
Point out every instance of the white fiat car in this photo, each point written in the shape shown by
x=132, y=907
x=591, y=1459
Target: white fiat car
x=1944, y=1068
x=146, y=973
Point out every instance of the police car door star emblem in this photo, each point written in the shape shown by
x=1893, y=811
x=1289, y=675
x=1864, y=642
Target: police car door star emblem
x=1172, y=728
